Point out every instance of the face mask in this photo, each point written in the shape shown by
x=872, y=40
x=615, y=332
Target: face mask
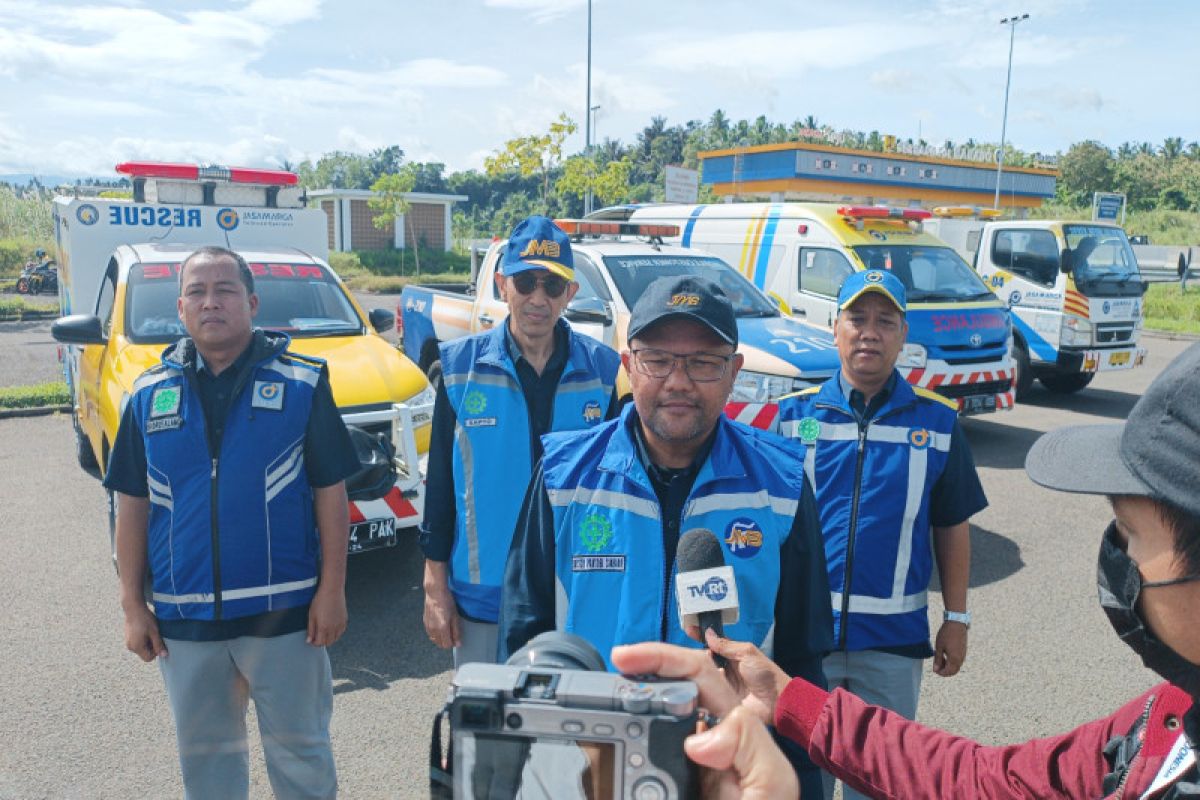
x=1120, y=585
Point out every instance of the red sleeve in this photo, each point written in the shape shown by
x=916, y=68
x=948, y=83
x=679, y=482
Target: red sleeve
x=886, y=756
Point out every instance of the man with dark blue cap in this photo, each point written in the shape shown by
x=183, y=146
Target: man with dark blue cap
x=890, y=465
x=502, y=389
x=595, y=548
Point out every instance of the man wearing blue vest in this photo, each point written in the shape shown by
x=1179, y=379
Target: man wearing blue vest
x=890, y=465
x=502, y=389
x=229, y=467
x=595, y=545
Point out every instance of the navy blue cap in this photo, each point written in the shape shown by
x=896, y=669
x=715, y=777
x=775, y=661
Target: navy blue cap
x=685, y=297
x=872, y=280
x=537, y=243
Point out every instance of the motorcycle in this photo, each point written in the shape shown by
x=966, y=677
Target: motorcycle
x=37, y=278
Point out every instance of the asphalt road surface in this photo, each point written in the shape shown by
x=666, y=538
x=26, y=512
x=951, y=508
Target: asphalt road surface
x=82, y=718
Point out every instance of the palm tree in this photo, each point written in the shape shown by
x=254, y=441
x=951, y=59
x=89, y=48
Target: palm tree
x=811, y=123
x=1172, y=147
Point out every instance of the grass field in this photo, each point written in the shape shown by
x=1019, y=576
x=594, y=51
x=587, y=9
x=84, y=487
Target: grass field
x=1170, y=309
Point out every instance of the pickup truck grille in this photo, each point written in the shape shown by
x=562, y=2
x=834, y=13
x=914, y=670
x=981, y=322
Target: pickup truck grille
x=1114, y=332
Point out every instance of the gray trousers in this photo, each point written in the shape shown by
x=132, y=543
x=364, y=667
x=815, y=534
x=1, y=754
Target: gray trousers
x=881, y=679
x=209, y=685
x=480, y=641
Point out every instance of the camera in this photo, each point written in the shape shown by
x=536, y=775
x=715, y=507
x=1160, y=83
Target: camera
x=551, y=723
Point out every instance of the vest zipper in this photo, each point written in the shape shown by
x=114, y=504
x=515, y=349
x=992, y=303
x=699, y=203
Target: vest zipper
x=216, y=545
x=853, y=533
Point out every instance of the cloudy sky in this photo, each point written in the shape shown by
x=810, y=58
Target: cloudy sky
x=253, y=82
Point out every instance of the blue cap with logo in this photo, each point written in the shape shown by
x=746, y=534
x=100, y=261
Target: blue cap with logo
x=872, y=280
x=537, y=243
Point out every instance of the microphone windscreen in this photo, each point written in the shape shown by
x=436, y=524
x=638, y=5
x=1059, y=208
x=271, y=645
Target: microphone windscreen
x=699, y=549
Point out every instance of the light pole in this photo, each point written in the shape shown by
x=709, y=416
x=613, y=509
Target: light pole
x=587, y=136
x=1011, y=22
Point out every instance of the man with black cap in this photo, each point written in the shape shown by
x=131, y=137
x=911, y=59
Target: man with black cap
x=594, y=551
x=896, y=486
x=1149, y=587
x=502, y=389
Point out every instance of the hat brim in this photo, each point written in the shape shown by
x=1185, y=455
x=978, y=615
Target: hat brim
x=527, y=264
x=724, y=337
x=1084, y=459
x=877, y=289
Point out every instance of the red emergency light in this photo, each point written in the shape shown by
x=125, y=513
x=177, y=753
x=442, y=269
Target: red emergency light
x=883, y=212
x=579, y=227
x=195, y=172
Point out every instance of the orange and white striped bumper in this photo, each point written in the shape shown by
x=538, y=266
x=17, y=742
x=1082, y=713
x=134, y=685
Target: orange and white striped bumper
x=939, y=380
x=393, y=504
x=764, y=416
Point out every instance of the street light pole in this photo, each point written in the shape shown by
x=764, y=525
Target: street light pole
x=587, y=137
x=1011, y=22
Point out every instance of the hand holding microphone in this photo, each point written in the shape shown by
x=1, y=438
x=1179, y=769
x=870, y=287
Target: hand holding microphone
x=705, y=588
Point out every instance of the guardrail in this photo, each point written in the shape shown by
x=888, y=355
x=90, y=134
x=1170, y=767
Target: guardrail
x=1167, y=263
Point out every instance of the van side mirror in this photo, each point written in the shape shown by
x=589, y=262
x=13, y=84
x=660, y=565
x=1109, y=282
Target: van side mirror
x=381, y=319
x=589, y=309
x=78, y=329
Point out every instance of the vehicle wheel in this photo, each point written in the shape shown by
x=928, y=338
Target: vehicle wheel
x=1023, y=378
x=83, y=449
x=434, y=373
x=1068, y=383
x=22, y=286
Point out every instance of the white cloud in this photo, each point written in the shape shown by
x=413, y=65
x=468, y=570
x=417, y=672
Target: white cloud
x=540, y=10
x=896, y=80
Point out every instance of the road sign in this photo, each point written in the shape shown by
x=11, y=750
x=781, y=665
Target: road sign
x=682, y=185
x=1107, y=206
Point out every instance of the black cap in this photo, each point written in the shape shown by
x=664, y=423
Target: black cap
x=685, y=297
x=1154, y=454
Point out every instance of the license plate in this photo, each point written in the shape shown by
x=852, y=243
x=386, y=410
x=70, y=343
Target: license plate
x=1118, y=359
x=978, y=404
x=372, y=534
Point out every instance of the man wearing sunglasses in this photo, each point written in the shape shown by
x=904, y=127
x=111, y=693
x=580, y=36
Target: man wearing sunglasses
x=594, y=551
x=502, y=389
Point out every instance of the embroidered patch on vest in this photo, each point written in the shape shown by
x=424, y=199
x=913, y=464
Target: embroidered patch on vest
x=809, y=430
x=595, y=532
x=164, y=424
x=919, y=438
x=268, y=395
x=165, y=401
x=744, y=537
x=597, y=563
x=592, y=412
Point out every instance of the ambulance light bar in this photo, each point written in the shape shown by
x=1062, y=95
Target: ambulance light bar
x=579, y=227
x=883, y=212
x=213, y=172
x=968, y=211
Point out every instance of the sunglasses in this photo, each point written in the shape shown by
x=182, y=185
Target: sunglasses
x=552, y=285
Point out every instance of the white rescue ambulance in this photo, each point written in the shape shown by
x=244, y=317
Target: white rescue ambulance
x=799, y=253
x=118, y=283
x=1073, y=287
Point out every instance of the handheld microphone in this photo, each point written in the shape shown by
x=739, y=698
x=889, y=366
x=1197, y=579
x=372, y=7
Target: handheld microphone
x=705, y=588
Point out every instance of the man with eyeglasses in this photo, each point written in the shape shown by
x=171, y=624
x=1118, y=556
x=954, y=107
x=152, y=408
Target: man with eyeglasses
x=502, y=390
x=894, y=475
x=595, y=545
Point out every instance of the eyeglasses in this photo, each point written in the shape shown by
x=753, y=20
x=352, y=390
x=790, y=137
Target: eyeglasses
x=552, y=285
x=700, y=367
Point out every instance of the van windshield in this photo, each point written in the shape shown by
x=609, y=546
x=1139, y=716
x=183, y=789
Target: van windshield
x=302, y=300
x=632, y=274
x=929, y=274
x=1100, y=252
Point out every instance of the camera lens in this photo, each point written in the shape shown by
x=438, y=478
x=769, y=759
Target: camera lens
x=560, y=650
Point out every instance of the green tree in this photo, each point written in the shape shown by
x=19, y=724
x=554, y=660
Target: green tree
x=533, y=155
x=391, y=201
x=1172, y=148
x=1086, y=168
x=582, y=174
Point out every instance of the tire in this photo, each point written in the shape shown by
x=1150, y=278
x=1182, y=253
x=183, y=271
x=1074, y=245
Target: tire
x=434, y=373
x=1068, y=383
x=22, y=286
x=83, y=449
x=1023, y=379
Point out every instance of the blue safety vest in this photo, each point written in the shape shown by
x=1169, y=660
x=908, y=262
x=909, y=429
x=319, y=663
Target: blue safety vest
x=873, y=488
x=492, y=459
x=612, y=584
x=233, y=534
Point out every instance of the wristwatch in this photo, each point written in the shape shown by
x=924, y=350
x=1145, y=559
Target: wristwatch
x=958, y=616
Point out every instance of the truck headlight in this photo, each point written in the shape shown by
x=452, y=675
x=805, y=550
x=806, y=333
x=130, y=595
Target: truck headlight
x=1075, y=332
x=759, y=387
x=425, y=397
x=912, y=355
